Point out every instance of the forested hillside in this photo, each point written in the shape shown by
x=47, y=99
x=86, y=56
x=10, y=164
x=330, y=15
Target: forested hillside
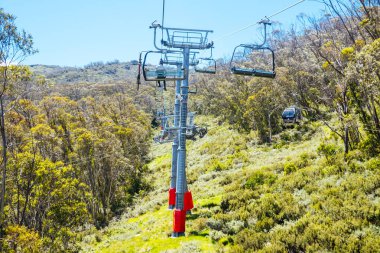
x=79, y=169
x=95, y=72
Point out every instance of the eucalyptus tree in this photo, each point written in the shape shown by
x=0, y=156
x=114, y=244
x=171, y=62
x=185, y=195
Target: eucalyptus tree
x=15, y=46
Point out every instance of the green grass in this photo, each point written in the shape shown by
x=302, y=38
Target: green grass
x=147, y=233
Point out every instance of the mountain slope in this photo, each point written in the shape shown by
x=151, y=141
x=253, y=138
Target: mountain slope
x=216, y=163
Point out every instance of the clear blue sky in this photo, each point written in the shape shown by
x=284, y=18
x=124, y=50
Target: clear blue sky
x=77, y=32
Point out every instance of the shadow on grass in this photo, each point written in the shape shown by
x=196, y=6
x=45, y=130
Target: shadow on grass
x=192, y=216
x=201, y=233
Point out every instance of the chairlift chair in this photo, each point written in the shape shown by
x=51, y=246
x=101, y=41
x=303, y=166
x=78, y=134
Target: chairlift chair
x=192, y=130
x=162, y=71
x=291, y=115
x=240, y=53
x=206, y=65
x=165, y=136
x=169, y=131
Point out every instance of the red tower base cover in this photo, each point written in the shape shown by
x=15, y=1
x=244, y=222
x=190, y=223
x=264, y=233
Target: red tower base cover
x=172, y=196
x=188, y=201
x=179, y=221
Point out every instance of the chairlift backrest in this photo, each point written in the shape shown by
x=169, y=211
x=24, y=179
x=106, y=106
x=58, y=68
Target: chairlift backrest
x=206, y=65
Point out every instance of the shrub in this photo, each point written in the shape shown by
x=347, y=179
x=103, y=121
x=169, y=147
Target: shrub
x=290, y=167
x=214, y=224
x=373, y=164
x=234, y=226
x=21, y=239
x=216, y=235
x=216, y=165
x=329, y=151
x=370, y=146
x=199, y=224
x=251, y=240
x=260, y=178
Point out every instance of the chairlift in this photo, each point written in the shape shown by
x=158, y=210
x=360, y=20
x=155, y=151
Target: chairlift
x=192, y=130
x=162, y=71
x=291, y=115
x=256, y=53
x=195, y=90
x=165, y=136
x=141, y=69
x=169, y=131
x=206, y=65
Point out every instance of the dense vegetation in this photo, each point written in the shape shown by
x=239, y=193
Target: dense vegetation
x=66, y=162
x=330, y=66
x=75, y=145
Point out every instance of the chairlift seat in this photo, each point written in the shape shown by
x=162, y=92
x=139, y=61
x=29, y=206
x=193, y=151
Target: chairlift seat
x=206, y=71
x=253, y=72
x=163, y=75
x=206, y=65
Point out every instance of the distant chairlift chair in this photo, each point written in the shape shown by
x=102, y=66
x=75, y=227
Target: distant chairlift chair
x=159, y=73
x=168, y=131
x=291, y=115
x=193, y=130
x=206, y=65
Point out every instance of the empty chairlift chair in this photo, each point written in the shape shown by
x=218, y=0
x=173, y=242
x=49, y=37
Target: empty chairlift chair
x=206, y=65
x=168, y=130
x=254, y=59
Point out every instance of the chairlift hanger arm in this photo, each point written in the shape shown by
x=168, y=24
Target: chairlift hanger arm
x=155, y=26
x=265, y=23
x=139, y=70
x=209, y=57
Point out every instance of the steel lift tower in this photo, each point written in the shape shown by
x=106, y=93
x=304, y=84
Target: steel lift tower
x=185, y=40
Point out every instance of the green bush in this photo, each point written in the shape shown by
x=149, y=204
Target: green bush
x=250, y=240
x=259, y=178
x=370, y=146
x=329, y=151
x=290, y=167
x=373, y=164
x=216, y=165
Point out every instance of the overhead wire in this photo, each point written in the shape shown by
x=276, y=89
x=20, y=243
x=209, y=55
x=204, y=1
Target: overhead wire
x=258, y=22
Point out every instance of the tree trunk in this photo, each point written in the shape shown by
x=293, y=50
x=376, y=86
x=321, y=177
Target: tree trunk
x=4, y=146
x=270, y=129
x=346, y=139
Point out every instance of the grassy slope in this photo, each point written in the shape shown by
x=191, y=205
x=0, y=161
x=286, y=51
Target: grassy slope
x=214, y=161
